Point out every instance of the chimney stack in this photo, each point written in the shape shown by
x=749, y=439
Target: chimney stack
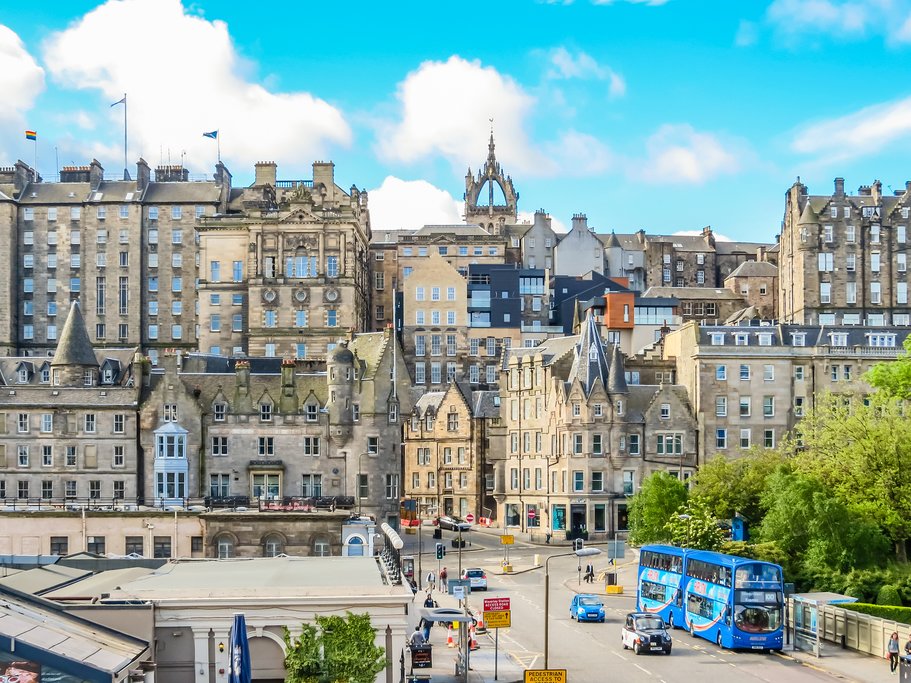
x=266, y=173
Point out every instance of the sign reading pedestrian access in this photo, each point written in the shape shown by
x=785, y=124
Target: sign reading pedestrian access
x=545, y=675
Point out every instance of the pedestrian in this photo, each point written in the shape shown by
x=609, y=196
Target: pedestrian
x=417, y=638
x=908, y=646
x=428, y=601
x=443, y=577
x=431, y=579
x=892, y=650
x=591, y=573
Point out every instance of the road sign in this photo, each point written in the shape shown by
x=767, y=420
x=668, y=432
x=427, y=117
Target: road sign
x=616, y=550
x=497, y=619
x=496, y=604
x=545, y=675
x=469, y=518
x=507, y=539
x=532, y=514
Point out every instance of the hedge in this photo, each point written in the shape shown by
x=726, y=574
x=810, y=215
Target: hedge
x=900, y=614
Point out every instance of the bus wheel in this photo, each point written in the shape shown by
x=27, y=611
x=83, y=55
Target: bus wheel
x=670, y=620
x=718, y=639
x=692, y=630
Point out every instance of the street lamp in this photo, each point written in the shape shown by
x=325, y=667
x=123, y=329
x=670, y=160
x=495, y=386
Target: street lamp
x=686, y=517
x=582, y=552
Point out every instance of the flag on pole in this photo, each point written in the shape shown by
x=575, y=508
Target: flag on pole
x=213, y=134
x=31, y=135
x=122, y=100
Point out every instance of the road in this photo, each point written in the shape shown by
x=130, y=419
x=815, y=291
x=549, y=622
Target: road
x=592, y=652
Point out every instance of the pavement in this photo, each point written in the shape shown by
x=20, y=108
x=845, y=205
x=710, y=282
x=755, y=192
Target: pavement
x=485, y=665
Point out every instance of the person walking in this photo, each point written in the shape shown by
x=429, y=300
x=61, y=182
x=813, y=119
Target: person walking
x=444, y=575
x=431, y=580
x=417, y=638
x=908, y=646
x=892, y=649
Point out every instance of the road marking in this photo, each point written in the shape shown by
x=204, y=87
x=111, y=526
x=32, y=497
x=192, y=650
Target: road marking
x=643, y=669
x=617, y=654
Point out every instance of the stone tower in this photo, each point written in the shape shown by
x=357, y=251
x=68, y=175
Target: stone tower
x=491, y=216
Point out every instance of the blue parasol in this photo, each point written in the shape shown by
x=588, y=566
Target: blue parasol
x=240, y=670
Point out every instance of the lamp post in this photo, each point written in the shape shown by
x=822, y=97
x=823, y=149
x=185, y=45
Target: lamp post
x=687, y=518
x=582, y=552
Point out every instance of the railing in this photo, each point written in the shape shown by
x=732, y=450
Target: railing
x=99, y=504
x=291, y=184
x=306, y=504
x=873, y=351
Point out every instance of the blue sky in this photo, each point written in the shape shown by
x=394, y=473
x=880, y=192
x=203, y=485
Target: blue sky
x=666, y=115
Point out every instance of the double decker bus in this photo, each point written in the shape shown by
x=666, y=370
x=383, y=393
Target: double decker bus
x=733, y=601
x=658, y=584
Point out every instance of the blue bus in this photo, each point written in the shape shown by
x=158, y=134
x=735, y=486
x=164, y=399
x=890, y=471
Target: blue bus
x=732, y=601
x=659, y=582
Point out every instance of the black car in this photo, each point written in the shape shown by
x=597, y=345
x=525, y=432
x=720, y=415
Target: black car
x=452, y=523
x=645, y=632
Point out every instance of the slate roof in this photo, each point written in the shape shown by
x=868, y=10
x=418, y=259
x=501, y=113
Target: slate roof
x=485, y=404
x=755, y=269
x=681, y=293
x=182, y=192
x=730, y=247
x=430, y=399
x=460, y=229
x=74, y=346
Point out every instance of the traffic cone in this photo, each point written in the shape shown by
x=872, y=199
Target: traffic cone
x=480, y=628
x=472, y=641
x=449, y=641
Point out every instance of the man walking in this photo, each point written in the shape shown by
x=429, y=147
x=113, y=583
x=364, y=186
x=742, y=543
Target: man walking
x=443, y=577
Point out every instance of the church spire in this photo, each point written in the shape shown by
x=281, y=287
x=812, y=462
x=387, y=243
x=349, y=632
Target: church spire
x=491, y=156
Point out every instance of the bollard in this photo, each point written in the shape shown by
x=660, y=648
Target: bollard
x=537, y=560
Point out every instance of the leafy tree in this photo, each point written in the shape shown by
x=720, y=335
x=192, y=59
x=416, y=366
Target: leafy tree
x=335, y=650
x=893, y=378
x=861, y=452
x=888, y=595
x=728, y=486
x=694, y=526
x=806, y=521
x=652, y=507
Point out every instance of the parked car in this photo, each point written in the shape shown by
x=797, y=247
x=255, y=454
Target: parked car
x=586, y=607
x=477, y=578
x=644, y=632
x=452, y=523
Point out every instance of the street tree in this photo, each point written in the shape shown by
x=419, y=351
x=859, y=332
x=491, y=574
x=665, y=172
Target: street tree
x=893, y=377
x=652, y=507
x=809, y=523
x=694, y=526
x=860, y=450
x=734, y=486
x=334, y=650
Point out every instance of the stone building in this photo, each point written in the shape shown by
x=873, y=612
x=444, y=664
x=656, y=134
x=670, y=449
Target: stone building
x=447, y=457
x=538, y=243
x=580, y=439
x=579, y=251
x=501, y=209
x=750, y=384
x=843, y=258
x=702, y=303
x=757, y=283
x=262, y=429
x=384, y=278
x=68, y=427
x=285, y=271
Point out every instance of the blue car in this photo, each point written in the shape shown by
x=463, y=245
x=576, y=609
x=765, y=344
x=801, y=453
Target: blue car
x=586, y=607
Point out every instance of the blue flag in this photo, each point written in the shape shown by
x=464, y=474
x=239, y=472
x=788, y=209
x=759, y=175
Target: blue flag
x=239, y=664
x=120, y=101
x=213, y=135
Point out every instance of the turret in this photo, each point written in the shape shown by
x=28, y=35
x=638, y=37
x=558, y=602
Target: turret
x=340, y=368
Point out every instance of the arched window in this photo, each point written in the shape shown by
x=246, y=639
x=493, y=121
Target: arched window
x=273, y=545
x=224, y=546
x=355, y=547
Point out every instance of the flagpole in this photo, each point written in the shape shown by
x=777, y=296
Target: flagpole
x=218, y=145
x=36, y=158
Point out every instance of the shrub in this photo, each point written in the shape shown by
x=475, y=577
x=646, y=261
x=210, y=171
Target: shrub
x=902, y=615
x=888, y=595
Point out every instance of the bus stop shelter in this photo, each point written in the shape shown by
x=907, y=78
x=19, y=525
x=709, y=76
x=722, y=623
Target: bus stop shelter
x=805, y=618
x=453, y=616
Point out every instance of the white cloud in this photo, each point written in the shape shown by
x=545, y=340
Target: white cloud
x=21, y=81
x=747, y=34
x=681, y=154
x=697, y=233
x=196, y=82
x=565, y=65
x=863, y=132
x=445, y=106
x=580, y=154
x=842, y=19
x=401, y=203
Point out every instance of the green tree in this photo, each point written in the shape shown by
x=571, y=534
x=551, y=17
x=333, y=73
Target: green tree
x=807, y=521
x=893, y=378
x=728, y=486
x=335, y=650
x=694, y=526
x=652, y=507
x=861, y=452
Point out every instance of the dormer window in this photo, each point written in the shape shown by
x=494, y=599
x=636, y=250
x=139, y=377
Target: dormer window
x=107, y=376
x=22, y=375
x=393, y=413
x=415, y=423
x=218, y=411
x=311, y=410
x=45, y=374
x=265, y=412
x=428, y=421
x=799, y=339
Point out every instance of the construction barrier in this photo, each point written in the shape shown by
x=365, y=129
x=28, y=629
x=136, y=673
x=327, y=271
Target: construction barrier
x=484, y=521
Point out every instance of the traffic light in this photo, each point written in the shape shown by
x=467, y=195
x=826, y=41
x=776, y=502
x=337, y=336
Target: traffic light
x=578, y=544
x=441, y=551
